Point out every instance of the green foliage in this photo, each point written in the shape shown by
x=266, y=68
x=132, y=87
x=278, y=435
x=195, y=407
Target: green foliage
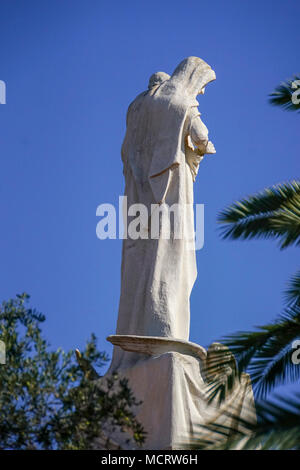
x=272, y=213
x=47, y=399
x=276, y=428
x=220, y=372
x=267, y=352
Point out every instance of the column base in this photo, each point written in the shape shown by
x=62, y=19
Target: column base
x=170, y=382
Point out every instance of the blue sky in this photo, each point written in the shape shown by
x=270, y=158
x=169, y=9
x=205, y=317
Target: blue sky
x=71, y=70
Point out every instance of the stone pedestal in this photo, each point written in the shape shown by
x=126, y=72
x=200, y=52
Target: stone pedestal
x=173, y=391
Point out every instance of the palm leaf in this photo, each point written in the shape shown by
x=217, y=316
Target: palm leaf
x=272, y=213
x=266, y=354
x=220, y=372
x=292, y=293
x=277, y=427
x=269, y=360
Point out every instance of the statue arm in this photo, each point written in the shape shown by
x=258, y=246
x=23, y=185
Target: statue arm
x=199, y=133
x=197, y=143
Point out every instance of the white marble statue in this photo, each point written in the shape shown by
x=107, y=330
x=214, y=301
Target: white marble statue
x=164, y=144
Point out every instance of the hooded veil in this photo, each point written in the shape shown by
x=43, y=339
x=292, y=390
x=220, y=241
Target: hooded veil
x=157, y=275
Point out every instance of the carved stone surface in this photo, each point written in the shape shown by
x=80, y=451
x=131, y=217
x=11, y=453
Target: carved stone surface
x=164, y=143
x=174, y=405
x=156, y=345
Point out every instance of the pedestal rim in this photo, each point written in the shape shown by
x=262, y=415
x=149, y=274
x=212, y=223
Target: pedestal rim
x=157, y=345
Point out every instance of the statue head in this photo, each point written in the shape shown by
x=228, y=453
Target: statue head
x=192, y=75
x=157, y=79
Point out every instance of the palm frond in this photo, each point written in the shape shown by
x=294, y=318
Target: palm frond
x=220, y=372
x=292, y=293
x=271, y=213
x=270, y=361
x=268, y=372
x=283, y=95
x=266, y=354
x=277, y=427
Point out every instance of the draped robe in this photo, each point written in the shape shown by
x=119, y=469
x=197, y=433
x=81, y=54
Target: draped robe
x=157, y=275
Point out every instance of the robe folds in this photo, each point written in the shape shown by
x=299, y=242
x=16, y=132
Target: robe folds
x=157, y=274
